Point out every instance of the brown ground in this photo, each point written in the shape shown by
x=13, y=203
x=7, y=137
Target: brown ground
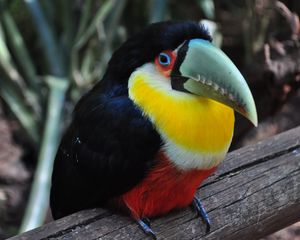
x=14, y=178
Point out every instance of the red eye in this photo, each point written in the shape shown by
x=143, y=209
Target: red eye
x=165, y=61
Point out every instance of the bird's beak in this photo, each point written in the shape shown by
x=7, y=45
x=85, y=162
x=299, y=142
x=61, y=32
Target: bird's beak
x=205, y=70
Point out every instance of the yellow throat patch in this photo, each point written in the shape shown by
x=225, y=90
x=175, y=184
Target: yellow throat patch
x=194, y=123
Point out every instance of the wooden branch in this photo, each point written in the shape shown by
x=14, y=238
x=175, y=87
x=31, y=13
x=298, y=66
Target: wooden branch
x=255, y=192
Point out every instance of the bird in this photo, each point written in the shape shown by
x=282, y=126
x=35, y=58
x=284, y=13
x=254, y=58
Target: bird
x=157, y=124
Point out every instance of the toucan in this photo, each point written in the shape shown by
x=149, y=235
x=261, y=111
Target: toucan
x=158, y=123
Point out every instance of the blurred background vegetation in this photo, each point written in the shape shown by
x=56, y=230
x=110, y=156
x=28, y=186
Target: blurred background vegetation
x=52, y=51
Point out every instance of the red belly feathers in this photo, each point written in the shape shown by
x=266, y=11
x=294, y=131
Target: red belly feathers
x=164, y=189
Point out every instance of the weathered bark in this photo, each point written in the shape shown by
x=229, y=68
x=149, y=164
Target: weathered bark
x=255, y=192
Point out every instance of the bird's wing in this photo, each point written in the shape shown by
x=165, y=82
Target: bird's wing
x=107, y=150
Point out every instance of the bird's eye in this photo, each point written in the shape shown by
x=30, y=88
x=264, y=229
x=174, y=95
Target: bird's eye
x=164, y=59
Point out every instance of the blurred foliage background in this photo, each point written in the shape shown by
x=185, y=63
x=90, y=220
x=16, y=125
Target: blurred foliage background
x=52, y=51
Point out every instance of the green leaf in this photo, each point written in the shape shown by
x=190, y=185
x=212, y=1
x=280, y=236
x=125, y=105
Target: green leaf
x=158, y=10
x=20, y=51
x=39, y=196
x=208, y=8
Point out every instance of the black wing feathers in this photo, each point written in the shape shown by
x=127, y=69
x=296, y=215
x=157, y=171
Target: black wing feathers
x=108, y=149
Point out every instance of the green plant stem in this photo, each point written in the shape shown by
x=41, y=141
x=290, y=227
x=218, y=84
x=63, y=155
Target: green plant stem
x=39, y=195
x=83, y=36
x=58, y=84
x=67, y=36
x=50, y=46
x=84, y=17
x=208, y=8
x=86, y=66
x=112, y=25
x=19, y=109
x=15, y=93
x=99, y=17
x=20, y=50
x=32, y=88
x=49, y=11
x=157, y=10
x=111, y=28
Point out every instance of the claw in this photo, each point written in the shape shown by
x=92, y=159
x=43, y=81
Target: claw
x=145, y=225
x=202, y=212
x=146, y=221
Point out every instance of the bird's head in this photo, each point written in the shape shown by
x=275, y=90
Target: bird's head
x=180, y=59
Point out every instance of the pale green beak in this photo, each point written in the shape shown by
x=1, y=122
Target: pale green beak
x=205, y=70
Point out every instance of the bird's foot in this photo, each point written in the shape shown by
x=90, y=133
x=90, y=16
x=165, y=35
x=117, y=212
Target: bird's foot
x=145, y=226
x=202, y=212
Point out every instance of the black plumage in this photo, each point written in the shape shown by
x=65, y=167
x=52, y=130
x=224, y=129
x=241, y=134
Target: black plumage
x=110, y=146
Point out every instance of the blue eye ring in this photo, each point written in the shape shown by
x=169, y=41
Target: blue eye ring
x=164, y=59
